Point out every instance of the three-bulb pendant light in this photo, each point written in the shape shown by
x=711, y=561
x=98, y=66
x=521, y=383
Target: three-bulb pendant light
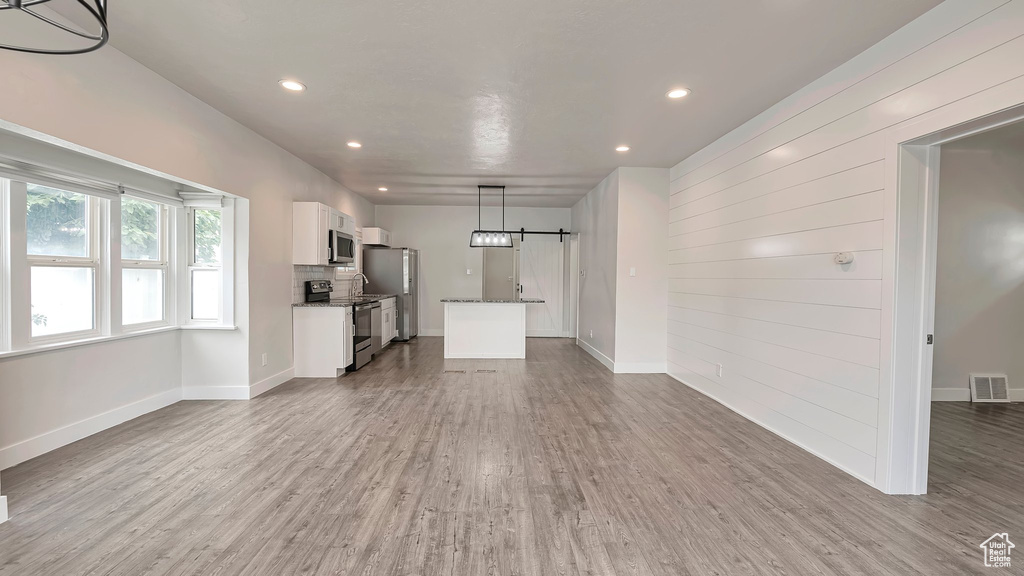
x=481, y=238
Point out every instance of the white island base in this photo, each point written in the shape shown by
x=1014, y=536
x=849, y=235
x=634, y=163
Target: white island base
x=485, y=329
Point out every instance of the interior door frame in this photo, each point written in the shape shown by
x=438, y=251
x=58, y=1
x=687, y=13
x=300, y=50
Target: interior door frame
x=908, y=277
x=573, y=289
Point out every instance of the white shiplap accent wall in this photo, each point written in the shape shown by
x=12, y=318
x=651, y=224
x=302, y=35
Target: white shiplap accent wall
x=756, y=217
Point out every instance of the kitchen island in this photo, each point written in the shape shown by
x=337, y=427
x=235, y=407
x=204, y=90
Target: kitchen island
x=479, y=328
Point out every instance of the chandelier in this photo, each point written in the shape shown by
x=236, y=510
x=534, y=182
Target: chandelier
x=97, y=10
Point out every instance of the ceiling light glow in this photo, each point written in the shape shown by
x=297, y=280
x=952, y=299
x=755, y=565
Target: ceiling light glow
x=293, y=85
x=354, y=144
x=383, y=189
x=677, y=93
x=622, y=148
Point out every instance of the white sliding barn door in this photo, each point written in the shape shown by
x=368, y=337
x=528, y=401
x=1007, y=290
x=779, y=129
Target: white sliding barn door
x=541, y=269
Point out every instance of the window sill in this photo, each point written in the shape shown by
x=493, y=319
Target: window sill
x=39, y=349
x=83, y=342
x=221, y=327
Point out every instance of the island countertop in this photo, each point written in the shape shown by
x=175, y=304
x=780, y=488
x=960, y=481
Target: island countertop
x=491, y=301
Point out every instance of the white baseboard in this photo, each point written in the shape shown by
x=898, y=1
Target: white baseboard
x=773, y=430
x=271, y=382
x=608, y=362
x=951, y=394
x=641, y=368
x=215, y=393
x=27, y=449
x=431, y=332
x=964, y=395
x=3, y=509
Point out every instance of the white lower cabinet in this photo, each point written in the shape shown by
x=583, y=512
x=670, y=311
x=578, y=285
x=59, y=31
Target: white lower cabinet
x=322, y=340
x=389, y=328
x=350, y=330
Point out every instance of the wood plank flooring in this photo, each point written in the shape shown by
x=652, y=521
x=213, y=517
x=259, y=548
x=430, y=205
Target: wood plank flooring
x=546, y=466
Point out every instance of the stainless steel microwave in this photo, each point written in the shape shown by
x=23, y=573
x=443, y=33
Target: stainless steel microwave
x=341, y=248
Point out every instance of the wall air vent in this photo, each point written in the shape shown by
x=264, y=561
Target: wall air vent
x=989, y=388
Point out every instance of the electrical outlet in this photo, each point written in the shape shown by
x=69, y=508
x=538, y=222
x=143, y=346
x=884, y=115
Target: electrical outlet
x=469, y=271
x=718, y=371
x=591, y=333
x=263, y=359
x=632, y=271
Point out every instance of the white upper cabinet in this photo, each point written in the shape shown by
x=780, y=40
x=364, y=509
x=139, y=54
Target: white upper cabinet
x=376, y=237
x=311, y=222
x=346, y=224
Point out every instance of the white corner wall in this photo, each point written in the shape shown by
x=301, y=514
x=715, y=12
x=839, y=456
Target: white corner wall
x=441, y=234
x=623, y=295
x=595, y=218
x=979, y=280
x=756, y=217
x=641, y=271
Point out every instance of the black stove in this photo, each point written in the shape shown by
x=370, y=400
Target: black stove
x=318, y=290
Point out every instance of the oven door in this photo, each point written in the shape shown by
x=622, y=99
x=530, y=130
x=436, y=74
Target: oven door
x=343, y=248
x=364, y=327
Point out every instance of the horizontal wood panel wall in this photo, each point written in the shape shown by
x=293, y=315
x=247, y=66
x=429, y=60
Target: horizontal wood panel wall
x=756, y=218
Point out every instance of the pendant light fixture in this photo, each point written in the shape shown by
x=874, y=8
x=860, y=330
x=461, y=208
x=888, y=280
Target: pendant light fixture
x=481, y=238
x=97, y=9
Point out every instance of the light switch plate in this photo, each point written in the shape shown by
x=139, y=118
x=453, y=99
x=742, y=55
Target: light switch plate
x=632, y=271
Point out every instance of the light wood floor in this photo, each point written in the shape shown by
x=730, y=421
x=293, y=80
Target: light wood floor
x=548, y=466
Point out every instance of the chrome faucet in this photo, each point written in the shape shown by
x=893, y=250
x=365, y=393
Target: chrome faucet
x=364, y=280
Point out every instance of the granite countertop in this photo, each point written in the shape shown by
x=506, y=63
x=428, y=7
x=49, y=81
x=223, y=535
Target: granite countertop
x=345, y=302
x=491, y=301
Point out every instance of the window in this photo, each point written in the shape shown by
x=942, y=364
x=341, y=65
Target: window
x=205, y=269
x=62, y=241
x=144, y=256
x=82, y=260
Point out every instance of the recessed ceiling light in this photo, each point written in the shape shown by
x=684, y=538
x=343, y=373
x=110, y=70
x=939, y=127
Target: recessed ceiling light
x=383, y=189
x=622, y=149
x=293, y=85
x=677, y=93
x=354, y=144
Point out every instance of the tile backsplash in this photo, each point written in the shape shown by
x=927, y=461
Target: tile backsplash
x=302, y=273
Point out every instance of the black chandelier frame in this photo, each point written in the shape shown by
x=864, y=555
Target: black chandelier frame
x=97, y=9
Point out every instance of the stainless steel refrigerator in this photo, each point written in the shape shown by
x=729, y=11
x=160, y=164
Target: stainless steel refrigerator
x=394, y=271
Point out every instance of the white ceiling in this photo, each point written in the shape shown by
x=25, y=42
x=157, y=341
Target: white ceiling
x=533, y=94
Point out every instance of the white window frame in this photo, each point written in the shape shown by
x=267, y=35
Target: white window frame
x=166, y=235
x=226, y=316
x=97, y=210
x=5, y=266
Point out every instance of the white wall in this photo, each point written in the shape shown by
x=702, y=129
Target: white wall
x=595, y=217
x=756, y=217
x=641, y=300
x=441, y=234
x=109, y=104
x=622, y=228
x=979, y=280
x=50, y=399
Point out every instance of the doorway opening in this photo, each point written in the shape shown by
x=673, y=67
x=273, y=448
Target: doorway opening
x=958, y=302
